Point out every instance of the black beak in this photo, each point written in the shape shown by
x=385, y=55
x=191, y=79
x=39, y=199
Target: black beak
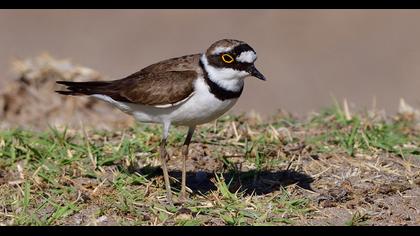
x=254, y=72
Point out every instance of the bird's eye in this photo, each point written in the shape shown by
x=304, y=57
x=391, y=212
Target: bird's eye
x=227, y=58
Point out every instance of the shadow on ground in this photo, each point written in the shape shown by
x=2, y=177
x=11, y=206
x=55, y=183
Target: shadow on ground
x=257, y=182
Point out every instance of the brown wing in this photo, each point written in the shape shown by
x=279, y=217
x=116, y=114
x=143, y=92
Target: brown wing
x=163, y=83
x=158, y=88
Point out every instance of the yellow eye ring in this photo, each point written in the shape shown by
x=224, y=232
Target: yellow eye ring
x=227, y=58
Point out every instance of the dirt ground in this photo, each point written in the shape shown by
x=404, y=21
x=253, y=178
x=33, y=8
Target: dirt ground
x=365, y=190
x=382, y=189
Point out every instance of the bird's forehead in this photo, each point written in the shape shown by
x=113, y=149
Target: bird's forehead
x=242, y=48
x=247, y=57
x=244, y=53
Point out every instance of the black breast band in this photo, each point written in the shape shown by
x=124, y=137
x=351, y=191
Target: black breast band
x=217, y=90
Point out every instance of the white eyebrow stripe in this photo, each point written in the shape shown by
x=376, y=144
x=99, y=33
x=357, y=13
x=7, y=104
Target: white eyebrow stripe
x=218, y=50
x=248, y=57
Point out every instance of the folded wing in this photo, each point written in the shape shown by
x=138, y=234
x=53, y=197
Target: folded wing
x=161, y=84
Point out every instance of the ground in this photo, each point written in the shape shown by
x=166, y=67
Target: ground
x=330, y=168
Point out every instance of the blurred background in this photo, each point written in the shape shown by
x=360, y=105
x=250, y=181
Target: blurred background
x=309, y=56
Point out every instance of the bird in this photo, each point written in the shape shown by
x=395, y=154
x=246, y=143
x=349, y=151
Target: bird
x=184, y=91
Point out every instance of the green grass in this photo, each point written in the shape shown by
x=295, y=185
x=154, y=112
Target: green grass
x=360, y=135
x=357, y=219
x=68, y=176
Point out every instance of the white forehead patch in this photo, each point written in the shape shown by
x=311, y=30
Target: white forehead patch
x=219, y=50
x=248, y=57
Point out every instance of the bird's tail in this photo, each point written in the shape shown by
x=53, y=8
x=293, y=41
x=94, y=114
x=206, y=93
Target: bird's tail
x=83, y=88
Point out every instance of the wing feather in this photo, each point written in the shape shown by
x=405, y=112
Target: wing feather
x=162, y=84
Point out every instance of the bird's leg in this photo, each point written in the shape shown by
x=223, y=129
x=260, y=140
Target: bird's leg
x=184, y=162
x=163, y=155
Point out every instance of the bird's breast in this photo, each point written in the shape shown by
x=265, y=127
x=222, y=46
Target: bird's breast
x=202, y=107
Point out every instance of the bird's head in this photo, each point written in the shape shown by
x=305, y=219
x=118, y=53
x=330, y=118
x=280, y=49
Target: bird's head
x=229, y=59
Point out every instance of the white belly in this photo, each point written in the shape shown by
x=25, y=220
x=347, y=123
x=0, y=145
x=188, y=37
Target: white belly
x=200, y=108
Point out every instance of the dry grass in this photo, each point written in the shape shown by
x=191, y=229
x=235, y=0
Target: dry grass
x=327, y=169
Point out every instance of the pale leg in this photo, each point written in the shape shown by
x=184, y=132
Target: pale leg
x=163, y=155
x=184, y=162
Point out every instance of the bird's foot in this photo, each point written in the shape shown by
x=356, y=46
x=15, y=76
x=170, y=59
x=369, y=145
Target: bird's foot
x=169, y=199
x=182, y=199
